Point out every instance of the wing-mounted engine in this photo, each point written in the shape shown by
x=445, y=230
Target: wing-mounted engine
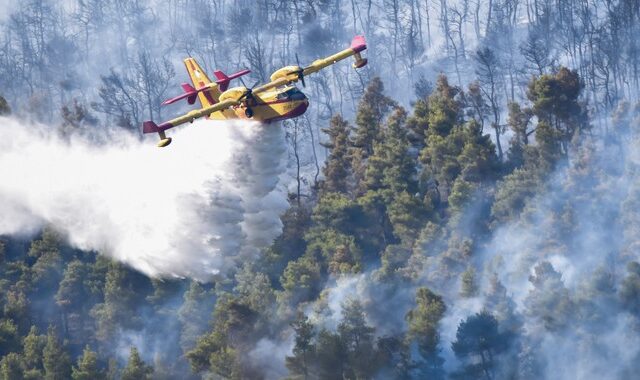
x=234, y=93
x=290, y=73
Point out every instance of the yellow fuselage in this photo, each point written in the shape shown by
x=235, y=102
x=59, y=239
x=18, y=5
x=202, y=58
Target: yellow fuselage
x=277, y=104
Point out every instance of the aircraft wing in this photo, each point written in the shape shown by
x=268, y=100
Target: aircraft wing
x=291, y=74
x=358, y=44
x=151, y=127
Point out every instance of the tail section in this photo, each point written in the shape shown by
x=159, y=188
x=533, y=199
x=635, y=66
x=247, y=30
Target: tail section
x=200, y=79
x=189, y=93
x=223, y=80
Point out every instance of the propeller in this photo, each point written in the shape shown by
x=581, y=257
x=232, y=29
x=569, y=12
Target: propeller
x=300, y=72
x=248, y=94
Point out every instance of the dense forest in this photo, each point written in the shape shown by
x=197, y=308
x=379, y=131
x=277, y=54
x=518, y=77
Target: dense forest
x=465, y=208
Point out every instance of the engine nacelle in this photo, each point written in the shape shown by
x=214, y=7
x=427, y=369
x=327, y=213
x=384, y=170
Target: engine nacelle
x=233, y=93
x=289, y=72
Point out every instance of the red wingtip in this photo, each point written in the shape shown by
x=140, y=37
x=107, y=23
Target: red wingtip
x=358, y=44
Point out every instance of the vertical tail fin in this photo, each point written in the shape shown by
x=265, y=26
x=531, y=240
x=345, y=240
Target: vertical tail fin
x=222, y=77
x=199, y=79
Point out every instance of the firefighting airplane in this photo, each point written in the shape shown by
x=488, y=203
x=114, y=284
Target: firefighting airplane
x=273, y=101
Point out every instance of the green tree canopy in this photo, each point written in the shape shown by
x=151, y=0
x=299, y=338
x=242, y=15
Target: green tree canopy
x=136, y=368
x=87, y=367
x=56, y=361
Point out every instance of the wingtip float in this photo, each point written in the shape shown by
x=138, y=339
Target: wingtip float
x=277, y=100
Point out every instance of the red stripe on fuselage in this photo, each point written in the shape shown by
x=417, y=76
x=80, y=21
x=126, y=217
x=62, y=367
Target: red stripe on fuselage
x=299, y=110
x=278, y=101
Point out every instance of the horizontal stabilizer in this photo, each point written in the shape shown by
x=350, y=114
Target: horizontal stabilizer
x=224, y=80
x=190, y=94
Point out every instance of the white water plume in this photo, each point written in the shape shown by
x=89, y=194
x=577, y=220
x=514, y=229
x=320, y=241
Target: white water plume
x=193, y=209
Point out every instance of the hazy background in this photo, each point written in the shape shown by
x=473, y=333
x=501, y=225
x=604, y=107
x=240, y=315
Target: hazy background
x=543, y=244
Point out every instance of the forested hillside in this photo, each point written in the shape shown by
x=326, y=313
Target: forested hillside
x=473, y=214
x=415, y=226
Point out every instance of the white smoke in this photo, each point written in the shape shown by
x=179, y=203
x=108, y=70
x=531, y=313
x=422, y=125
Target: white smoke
x=192, y=209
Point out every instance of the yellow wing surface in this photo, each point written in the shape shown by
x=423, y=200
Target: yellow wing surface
x=291, y=74
x=212, y=100
x=189, y=117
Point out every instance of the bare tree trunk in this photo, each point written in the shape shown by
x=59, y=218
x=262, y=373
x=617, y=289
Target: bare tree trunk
x=426, y=7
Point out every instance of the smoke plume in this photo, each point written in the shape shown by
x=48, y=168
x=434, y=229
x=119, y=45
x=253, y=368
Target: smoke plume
x=192, y=209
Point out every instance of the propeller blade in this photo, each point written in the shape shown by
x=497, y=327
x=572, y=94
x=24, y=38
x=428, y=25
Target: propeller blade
x=300, y=72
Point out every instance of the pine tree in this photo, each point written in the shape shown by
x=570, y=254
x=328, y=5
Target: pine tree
x=518, y=121
x=9, y=337
x=71, y=292
x=357, y=338
x=556, y=102
x=391, y=165
x=478, y=339
x=32, y=348
x=56, y=362
x=331, y=355
x=337, y=167
x=469, y=286
x=48, y=268
x=340, y=251
x=304, y=349
x=136, y=368
x=512, y=194
x=548, y=149
x=121, y=296
x=75, y=300
x=87, y=367
x=407, y=215
x=445, y=108
x=418, y=124
x=194, y=314
x=549, y=302
x=501, y=305
x=423, y=321
x=254, y=289
x=301, y=279
x=393, y=259
x=11, y=367
x=441, y=149
x=221, y=351
x=372, y=110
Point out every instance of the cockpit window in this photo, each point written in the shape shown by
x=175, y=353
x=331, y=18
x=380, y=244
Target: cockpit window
x=292, y=94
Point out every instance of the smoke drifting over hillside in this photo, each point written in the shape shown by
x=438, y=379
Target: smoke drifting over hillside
x=562, y=263
x=189, y=210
